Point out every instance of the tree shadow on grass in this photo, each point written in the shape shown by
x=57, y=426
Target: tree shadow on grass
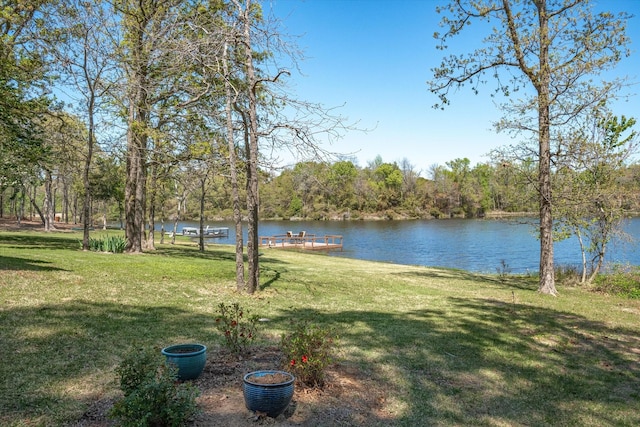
x=474, y=362
x=26, y=264
x=485, y=362
x=514, y=281
x=39, y=240
x=209, y=254
x=194, y=253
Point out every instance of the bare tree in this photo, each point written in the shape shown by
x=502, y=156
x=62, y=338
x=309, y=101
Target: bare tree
x=231, y=99
x=547, y=49
x=86, y=62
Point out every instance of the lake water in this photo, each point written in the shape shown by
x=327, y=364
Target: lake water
x=479, y=245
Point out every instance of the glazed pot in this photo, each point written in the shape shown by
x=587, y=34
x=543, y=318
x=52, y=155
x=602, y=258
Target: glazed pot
x=189, y=358
x=268, y=392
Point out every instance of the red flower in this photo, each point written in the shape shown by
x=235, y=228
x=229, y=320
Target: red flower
x=227, y=333
x=293, y=362
x=304, y=359
x=234, y=323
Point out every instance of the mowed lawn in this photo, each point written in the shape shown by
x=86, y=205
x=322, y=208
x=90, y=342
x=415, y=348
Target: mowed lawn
x=445, y=347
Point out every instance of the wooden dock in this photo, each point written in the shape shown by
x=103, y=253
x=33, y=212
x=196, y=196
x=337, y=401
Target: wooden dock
x=303, y=241
x=207, y=232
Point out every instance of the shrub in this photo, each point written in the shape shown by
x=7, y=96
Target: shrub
x=568, y=275
x=152, y=394
x=237, y=326
x=622, y=280
x=307, y=352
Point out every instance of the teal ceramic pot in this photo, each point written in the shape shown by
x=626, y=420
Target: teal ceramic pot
x=263, y=395
x=189, y=358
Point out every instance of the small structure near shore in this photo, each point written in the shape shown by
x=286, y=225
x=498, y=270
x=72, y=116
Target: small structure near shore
x=302, y=240
x=207, y=232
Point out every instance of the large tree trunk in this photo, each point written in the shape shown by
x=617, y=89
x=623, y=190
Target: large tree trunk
x=136, y=176
x=132, y=227
x=233, y=169
x=253, y=281
x=547, y=274
x=86, y=206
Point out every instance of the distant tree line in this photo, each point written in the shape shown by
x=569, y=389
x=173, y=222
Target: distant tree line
x=340, y=190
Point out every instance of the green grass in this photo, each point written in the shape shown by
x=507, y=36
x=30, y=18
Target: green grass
x=447, y=347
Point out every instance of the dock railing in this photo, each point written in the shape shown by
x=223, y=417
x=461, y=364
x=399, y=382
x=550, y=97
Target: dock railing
x=309, y=241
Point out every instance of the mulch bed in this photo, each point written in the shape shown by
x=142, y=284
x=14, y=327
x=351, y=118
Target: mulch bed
x=349, y=398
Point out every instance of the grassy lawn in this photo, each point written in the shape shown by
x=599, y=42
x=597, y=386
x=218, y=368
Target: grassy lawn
x=448, y=347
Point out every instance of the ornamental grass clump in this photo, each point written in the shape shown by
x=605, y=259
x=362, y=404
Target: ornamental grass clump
x=307, y=351
x=114, y=244
x=152, y=394
x=237, y=326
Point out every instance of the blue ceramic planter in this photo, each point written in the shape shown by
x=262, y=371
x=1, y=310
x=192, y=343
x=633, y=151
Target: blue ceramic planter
x=189, y=358
x=271, y=399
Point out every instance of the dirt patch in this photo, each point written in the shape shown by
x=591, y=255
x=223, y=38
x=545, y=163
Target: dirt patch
x=349, y=398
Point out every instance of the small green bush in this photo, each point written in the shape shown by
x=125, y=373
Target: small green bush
x=622, y=280
x=237, y=326
x=307, y=350
x=152, y=394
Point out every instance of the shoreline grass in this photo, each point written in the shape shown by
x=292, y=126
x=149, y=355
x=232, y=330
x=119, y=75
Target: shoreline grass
x=448, y=347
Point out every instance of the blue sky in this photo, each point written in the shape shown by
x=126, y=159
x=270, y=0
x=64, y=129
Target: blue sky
x=375, y=58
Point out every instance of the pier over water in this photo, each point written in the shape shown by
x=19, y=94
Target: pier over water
x=303, y=240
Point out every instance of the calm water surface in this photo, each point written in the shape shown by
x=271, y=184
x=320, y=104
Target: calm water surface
x=475, y=245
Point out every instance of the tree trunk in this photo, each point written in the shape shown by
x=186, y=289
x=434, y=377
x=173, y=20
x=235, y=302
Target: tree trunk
x=151, y=244
x=180, y=199
x=137, y=123
x=34, y=205
x=131, y=230
x=203, y=184
x=547, y=274
x=86, y=206
x=136, y=179
x=252, y=157
x=600, y=257
x=583, y=252
x=65, y=200
x=233, y=168
x=48, y=202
